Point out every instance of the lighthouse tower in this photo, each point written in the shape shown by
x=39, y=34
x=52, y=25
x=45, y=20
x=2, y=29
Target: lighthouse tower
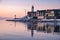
x=32, y=9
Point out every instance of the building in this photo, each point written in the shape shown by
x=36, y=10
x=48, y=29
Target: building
x=44, y=14
x=41, y=14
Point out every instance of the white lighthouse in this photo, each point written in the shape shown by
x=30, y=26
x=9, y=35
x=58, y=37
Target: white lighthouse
x=32, y=9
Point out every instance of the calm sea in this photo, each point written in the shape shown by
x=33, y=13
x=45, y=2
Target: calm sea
x=29, y=31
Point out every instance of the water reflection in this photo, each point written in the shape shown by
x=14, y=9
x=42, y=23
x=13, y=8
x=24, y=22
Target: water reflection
x=29, y=31
x=14, y=24
x=46, y=27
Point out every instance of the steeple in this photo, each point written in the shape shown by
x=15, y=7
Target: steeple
x=32, y=9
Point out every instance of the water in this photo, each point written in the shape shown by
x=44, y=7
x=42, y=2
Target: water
x=29, y=31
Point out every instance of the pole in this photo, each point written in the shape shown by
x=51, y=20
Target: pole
x=25, y=11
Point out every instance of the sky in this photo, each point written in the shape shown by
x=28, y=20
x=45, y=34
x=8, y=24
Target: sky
x=8, y=8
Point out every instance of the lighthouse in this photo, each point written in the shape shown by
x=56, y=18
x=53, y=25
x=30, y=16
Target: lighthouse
x=15, y=16
x=32, y=9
